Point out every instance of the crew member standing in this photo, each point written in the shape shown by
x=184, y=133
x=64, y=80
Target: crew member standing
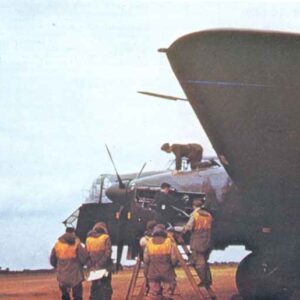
x=160, y=259
x=164, y=202
x=193, y=152
x=68, y=257
x=147, y=234
x=98, y=245
x=143, y=243
x=200, y=224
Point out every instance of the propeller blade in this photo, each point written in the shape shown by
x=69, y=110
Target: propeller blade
x=121, y=184
x=162, y=96
x=141, y=171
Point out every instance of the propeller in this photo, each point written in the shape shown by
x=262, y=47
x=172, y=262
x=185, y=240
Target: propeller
x=120, y=194
x=121, y=184
x=141, y=171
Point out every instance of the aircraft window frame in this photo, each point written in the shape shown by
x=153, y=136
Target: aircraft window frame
x=72, y=220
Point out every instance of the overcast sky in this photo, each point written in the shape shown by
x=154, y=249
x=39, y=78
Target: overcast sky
x=69, y=75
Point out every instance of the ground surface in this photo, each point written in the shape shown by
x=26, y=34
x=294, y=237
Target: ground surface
x=43, y=286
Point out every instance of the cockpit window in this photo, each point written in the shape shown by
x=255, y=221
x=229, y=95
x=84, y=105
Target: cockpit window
x=106, y=183
x=93, y=195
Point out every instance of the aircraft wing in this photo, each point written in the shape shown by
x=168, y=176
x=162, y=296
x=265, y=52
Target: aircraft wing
x=244, y=87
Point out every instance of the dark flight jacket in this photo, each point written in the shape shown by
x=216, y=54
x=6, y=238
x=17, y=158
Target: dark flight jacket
x=164, y=211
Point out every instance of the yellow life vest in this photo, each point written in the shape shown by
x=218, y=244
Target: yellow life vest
x=95, y=244
x=66, y=251
x=203, y=220
x=159, y=249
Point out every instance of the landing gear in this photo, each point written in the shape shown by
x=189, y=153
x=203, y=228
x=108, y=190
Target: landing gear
x=264, y=277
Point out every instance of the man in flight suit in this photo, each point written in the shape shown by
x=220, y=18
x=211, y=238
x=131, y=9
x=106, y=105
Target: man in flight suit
x=147, y=234
x=193, y=152
x=160, y=259
x=68, y=257
x=143, y=243
x=164, y=202
x=98, y=245
x=200, y=224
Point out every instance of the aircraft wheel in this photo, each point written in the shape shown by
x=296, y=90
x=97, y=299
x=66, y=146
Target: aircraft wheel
x=258, y=278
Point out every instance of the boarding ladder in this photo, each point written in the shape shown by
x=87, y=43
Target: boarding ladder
x=192, y=276
x=137, y=285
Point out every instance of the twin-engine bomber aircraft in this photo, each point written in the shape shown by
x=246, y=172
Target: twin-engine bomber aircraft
x=244, y=88
x=126, y=202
